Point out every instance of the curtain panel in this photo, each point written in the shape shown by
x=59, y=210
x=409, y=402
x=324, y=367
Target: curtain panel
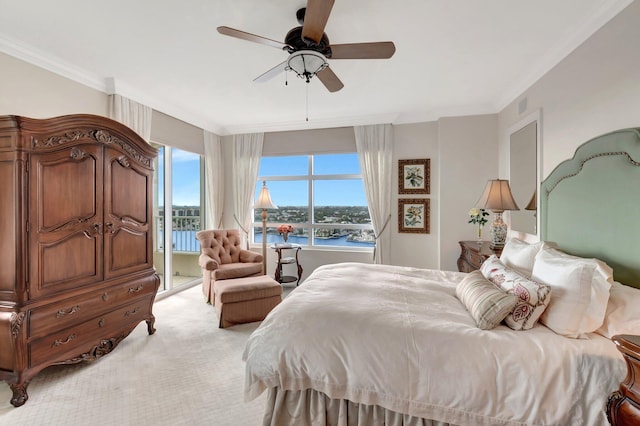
x=214, y=180
x=247, y=151
x=132, y=114
x=375, y=151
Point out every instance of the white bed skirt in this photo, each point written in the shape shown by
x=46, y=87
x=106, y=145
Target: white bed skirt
x=286, y=407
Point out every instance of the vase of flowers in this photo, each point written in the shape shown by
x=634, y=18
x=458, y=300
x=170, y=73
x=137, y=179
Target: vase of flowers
x=284, y=231
x=478, y=217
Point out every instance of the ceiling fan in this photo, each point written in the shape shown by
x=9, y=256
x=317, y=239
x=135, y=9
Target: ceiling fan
x=309, y=48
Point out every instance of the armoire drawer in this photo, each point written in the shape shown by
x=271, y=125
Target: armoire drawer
x=63, y=314
x=81, y=338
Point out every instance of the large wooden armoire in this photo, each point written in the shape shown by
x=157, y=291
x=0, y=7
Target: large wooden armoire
x=76, y=260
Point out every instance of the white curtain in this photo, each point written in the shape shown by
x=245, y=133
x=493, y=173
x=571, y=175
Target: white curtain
x=247, y=151
x=374, y=145
x=214, y=180
x=132, y=114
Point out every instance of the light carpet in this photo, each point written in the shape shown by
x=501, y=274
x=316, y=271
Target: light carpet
x=190, y=372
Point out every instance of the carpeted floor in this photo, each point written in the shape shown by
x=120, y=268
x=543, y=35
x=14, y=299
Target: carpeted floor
x=189, y=372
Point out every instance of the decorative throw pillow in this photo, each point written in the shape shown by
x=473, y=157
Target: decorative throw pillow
x=487, y=304
x=623, y=311
x=533, y=297
x=580, y=291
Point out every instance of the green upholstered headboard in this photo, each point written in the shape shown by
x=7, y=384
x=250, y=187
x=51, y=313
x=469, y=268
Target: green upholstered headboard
x=590, y=204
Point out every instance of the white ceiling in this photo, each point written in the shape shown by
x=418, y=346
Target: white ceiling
x=453, y=57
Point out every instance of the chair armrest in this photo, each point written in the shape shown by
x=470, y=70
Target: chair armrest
x=248, y=256
x=207, y=262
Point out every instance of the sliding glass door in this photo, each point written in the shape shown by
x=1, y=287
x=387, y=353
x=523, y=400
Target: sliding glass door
x=177, y=183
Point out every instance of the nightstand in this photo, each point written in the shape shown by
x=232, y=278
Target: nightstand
x=472, y=255
x=623, y=408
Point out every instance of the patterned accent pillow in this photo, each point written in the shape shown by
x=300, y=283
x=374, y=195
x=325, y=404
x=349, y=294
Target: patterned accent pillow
x=487, y=304
x=533, y=297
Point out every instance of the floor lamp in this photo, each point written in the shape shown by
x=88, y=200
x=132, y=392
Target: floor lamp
x=264, y=202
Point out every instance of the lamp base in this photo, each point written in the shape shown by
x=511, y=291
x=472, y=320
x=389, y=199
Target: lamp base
x=498, y=231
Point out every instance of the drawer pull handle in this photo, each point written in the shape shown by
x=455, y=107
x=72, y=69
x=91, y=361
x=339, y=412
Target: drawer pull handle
x=105, y=297
x=101, y=323
x=136, y=290
x=129, y=313
x=60, y=342
x=62, y=312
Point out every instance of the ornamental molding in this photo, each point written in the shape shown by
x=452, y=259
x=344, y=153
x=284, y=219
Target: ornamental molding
x=16, y=323
x=98, y=135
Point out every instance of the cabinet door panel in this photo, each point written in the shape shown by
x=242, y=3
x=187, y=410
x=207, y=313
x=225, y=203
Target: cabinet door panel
x=67, y=190
x=127, y=206
x=71, y=258
x=65, y=216
x=130, y=247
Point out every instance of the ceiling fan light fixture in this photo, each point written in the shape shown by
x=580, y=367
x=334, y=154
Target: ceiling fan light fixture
x=306, y=63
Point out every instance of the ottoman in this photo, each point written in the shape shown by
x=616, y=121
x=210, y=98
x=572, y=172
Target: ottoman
x=242, y=300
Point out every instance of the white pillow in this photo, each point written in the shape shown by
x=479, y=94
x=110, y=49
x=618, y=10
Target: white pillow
x=580, y=290
x=533, y=297
x=623, y=311
x=520, y=255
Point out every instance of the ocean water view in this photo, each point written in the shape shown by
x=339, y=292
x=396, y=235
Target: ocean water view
x=341, y=241
x=185, y=241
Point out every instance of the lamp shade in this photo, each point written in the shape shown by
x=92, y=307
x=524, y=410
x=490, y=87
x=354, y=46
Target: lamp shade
x=264, y=199
x=533, y=203
x=497, y=197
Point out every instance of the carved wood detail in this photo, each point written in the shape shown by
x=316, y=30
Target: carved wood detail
x=20, y=395
x=16, y=323
x=77, y=153
x=102, y=136
x=124, y=162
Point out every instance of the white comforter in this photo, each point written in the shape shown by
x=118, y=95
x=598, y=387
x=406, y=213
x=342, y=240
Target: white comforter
x=399, y=338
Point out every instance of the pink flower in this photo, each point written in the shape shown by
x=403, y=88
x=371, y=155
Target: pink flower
x=285, y=229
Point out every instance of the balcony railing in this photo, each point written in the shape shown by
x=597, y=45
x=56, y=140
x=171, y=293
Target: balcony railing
x=183, y=235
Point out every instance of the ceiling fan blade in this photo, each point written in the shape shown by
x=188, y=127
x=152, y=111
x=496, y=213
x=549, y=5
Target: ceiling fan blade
x=271, y=73
x=376, y=50
x=315, y=19
x=330, y=80
x=252, y=37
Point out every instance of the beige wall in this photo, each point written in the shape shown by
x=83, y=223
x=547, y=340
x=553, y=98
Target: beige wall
x=34, y=92
x=468, y=148
x=411, y=141
x=594, y=90
x=167, y=130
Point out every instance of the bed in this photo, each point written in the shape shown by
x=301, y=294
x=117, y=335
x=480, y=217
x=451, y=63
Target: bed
x=378, y=344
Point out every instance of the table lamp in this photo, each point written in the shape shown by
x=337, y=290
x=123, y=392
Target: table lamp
x=264, y=202
x=497, y=197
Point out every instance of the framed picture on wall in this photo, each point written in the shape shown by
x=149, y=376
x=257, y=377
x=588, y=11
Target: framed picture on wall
x=414, y=176
x=413, y=215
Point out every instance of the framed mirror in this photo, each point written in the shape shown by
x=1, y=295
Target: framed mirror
x=524, y=173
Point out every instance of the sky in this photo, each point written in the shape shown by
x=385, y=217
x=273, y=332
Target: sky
x=345, y=192
x=186, y=177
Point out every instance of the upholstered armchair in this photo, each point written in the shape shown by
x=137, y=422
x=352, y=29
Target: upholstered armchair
x=222, y=258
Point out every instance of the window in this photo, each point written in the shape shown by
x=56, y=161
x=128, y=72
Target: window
x=321, y=196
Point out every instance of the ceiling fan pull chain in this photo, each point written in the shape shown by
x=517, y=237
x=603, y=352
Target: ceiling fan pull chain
x=307, y=100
